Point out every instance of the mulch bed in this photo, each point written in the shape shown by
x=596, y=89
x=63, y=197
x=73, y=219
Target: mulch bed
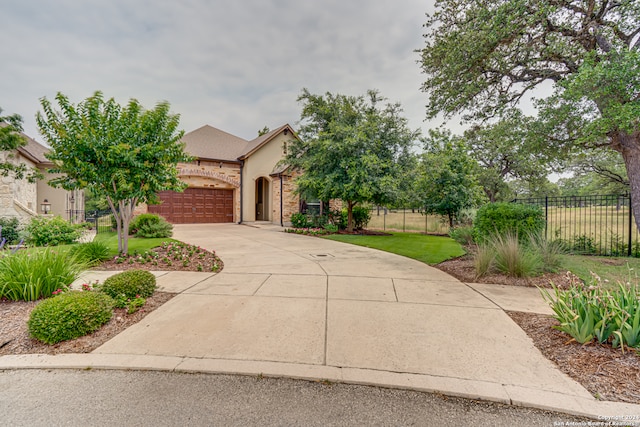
x=15, y=339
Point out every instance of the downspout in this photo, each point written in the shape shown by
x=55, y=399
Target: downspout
x=241, y=192
x=282, y=204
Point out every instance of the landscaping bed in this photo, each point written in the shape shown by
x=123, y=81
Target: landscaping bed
x=15, y=339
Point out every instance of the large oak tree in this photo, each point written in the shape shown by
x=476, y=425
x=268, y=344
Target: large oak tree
x=482, y=57
x=350, y=148
x=126, y=154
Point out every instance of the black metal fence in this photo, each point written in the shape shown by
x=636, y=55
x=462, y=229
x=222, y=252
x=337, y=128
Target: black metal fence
x=596, y=224
x=102, y=221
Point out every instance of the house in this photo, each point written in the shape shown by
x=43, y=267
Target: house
x=232, y=180
x=23, y=199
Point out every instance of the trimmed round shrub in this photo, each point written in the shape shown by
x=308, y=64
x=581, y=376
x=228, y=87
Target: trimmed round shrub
x=90, y=253
x=503, y=218
x=131, y=284
x=69, y=315
x=44, y=231
x=150, y=226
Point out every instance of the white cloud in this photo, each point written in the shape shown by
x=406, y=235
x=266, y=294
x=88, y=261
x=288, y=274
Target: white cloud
x=236, y=65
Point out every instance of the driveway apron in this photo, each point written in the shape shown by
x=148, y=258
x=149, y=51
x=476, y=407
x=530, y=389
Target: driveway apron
x=310, y=301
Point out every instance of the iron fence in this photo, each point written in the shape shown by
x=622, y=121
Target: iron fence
x=595, y=224
x=102, y=220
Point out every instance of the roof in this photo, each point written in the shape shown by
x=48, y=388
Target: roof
x=32, y=150
x=208, y=142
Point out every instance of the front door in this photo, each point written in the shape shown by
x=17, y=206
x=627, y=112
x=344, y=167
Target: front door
x=262, y=199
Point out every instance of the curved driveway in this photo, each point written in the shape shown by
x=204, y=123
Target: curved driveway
x=303, y=307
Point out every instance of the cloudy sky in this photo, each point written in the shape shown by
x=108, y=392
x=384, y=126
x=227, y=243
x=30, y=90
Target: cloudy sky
x=237, y=65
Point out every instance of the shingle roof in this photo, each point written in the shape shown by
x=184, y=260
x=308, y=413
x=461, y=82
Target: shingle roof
x=32, y=150
x=208, y=142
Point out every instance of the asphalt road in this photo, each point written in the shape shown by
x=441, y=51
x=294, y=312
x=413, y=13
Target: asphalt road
x=144, y=398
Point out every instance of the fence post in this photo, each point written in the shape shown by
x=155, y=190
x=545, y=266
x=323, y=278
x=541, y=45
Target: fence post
x=630, y=226
x=404, y=219
x=546, y=217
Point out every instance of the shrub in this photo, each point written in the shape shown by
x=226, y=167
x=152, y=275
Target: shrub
x=361, y=217
x=593, y=312
x=69, y=315
x=501, y=218
x=483, y=260
x=10, y=230
x=150, y=226
x=130, y=284
x=300, y=220
x=462, y=235
x=515, y=259
x=90, y=253
x=28, y=276
x=548, y=250
x=44, y=231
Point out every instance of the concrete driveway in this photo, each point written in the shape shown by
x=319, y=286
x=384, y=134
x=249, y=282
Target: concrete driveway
x=304, y=307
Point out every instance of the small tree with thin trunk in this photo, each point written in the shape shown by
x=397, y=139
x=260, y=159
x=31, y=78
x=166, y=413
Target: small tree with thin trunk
x=127, y=154
x=11, y=140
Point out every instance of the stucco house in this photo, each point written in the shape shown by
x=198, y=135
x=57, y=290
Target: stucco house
x=23, y=199
x=232, y=180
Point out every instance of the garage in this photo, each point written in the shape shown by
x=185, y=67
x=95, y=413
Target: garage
x=195, y=206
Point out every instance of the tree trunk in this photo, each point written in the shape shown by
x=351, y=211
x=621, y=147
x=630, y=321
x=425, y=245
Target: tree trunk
x=350, y=216
x=629, y=147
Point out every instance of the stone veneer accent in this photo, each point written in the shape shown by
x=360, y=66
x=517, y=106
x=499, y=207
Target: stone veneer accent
x=290, y=202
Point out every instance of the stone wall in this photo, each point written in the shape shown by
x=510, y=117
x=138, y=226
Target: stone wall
x=18, y=198
x=290, y=201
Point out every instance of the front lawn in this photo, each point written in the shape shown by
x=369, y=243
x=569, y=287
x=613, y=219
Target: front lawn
x=422, y=247
x=612, y=270
x=136, y=244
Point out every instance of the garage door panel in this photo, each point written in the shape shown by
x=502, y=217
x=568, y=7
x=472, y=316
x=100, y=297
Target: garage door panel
x=195, y=205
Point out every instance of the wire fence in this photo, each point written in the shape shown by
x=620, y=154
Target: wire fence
x=407, y=220
x=594, y=225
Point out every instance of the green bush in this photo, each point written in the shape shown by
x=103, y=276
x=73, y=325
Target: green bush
x=300, y=220
x=130, y=284
x=150, y=226
x=361, y=217
x=10, y=230
x=593, y=312
x=31, y=275
x=90, y=253
x=45, y=231
x=69, y=315
x=462, y=234
x=501, y=218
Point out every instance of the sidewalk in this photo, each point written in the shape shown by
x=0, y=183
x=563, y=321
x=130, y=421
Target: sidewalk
x=294, y=306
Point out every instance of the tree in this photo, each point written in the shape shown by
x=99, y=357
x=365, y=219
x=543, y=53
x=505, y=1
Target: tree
x=349, y=149
x=447, y=181
x=127, y=154
x=483, y=57
x=265, y=130
x=598, y=171
x=505, y=151
x=11, y=140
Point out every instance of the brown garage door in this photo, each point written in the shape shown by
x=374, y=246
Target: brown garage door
x=195, y=205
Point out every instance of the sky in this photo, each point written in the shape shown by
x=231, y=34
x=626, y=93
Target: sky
x=237, y=65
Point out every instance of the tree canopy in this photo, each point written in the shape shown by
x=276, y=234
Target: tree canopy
x=482, y=57
x=127, y=154
x=447, y=182
x=11, y=140
x=350, y=148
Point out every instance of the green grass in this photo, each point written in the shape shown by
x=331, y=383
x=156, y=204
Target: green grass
x=613, y=269
x=135, y=244
x=425, y=248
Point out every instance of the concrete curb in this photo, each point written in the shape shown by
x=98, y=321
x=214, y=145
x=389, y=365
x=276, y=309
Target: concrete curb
x=457, y=387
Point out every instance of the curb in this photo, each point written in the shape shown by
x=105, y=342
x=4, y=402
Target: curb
x=456, y=387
